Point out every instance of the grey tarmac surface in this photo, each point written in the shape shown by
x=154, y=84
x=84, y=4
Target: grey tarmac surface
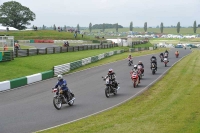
x=30, y=108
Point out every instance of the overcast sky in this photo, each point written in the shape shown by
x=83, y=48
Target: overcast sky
x=82, y=12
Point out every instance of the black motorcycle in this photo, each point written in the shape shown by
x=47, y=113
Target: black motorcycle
x=130, y=62
x=153, y=67
x=60, y=99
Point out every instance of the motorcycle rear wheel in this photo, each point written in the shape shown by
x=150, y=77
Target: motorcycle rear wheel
x=57, y=102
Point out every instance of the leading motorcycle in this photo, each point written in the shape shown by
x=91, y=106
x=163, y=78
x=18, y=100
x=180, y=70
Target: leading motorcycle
x=110, y=87
x=60, y=99
x=130, y=62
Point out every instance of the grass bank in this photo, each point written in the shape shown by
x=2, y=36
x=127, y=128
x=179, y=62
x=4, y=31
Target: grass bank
x=169, y=106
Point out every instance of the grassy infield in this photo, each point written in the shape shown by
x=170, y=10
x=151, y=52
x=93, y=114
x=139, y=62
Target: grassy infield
x=169, y=106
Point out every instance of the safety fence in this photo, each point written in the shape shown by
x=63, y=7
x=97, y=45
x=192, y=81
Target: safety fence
x=52, y=50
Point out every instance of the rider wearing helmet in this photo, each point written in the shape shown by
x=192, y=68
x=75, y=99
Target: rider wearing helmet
x=176, y=52
x=135, y=70
x=161, y=54
x=141, y=64
x=129, y=56
x=63, y=85
x=166, y=51
x=112, y=77
x=154, y=60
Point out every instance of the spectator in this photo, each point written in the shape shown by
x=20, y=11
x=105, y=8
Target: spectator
x=5, y=48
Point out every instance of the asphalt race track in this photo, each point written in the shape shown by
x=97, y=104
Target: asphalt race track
x=30, y=108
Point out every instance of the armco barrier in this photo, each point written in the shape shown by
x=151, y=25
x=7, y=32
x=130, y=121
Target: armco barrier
x=47, y=74
x=34, y=78
x=94, y=58
x=75, y=64
x=14, y=83
x=5, y=85
x=60, y=69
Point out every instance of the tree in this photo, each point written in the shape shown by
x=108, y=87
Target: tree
x=195, y=26
x=103, y=27
x=145, y=26
x=198, y=25
x=90, y=27
x=65, y=28
x=54, y=27
x=43, y=27
x=15, y=15
x=78, y=28
x=161, y=27
x=131, y=26
x=178, y=27
x=116, y=26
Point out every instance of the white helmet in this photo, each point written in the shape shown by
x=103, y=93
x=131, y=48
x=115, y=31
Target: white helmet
x=60, y=77
x=135, y=66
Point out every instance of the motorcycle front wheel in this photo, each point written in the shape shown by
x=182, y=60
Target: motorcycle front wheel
x=107, y=92
x=57, y=102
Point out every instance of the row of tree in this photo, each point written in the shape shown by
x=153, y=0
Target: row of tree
x=178, y=27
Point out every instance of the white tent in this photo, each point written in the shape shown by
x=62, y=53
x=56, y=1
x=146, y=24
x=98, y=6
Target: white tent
x=3, y=28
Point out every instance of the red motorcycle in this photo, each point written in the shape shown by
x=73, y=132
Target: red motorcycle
x=176, y=54
x=135, y=78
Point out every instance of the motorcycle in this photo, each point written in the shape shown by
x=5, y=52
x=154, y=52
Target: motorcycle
x=153, y=68
x=110, y=87
x=130, y=62
x=140, y=71
x=135, y=78
x=60, y=99
x=165, y=61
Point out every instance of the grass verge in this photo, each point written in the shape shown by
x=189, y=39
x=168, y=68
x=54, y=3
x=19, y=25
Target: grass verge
x=164, y=108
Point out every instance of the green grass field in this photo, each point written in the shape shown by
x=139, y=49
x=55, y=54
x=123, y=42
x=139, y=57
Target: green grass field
x=169, y=106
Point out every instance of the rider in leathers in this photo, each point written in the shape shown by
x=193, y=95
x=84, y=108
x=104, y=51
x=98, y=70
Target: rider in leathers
x=63, y=84
x=112, y=77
